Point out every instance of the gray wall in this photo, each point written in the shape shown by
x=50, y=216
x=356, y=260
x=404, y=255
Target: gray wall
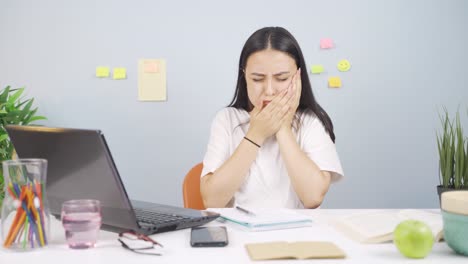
x=408, y=58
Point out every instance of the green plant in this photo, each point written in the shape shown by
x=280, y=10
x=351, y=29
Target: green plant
x=453, y=157
x=446, y=147
x=460, y=155
x=14, y=110
x=465, y=178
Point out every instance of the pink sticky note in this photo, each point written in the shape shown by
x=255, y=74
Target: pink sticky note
x=151, y=67
x=326, y=43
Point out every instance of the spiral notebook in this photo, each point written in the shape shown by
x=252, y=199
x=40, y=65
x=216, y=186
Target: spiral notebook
x=263, y=219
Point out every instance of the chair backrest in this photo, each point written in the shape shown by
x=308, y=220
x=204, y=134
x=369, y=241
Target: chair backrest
x=191, y=188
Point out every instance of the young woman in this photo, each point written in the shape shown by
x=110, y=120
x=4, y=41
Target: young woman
x=274, y=145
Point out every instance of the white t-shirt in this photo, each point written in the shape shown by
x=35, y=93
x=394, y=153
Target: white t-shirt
x=267, y=183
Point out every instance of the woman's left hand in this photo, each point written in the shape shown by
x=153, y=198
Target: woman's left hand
x=296, y=86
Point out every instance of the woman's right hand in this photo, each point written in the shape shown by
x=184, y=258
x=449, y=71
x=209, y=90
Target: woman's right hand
x=267, y=121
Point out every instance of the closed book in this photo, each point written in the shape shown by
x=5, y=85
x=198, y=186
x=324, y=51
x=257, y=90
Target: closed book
x=294, y=250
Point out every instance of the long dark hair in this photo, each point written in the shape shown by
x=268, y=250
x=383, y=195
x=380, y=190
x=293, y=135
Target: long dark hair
x=278, y=38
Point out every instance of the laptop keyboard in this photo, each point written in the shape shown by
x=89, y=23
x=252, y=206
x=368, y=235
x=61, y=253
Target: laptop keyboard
x=155, y=218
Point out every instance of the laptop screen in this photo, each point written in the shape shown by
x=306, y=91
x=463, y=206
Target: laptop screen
x=80, y=166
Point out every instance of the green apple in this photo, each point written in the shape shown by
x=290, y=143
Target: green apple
x=413, y=238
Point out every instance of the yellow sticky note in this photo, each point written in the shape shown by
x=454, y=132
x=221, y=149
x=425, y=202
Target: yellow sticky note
x=152, y=80
x=343, y=65
x=334, y=82
x=120, y=73
x=102, y=72
x=317, y=69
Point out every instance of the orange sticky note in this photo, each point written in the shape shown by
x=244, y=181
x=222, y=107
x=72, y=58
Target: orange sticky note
x=326, y=43
x=151, y=67
x=334, y=82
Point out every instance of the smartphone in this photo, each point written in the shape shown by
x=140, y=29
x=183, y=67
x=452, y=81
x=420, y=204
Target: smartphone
x=209, y=236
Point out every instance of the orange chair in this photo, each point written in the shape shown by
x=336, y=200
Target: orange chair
x=191, y=188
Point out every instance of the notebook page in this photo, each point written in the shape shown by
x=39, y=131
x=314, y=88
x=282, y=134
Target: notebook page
x=269, y=250
x=315, y=249
x=261, y=216
x=373, y=224
x=433, y=220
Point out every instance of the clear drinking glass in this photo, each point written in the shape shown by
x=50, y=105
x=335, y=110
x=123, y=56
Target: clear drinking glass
x=82, y=221
x=25, y=211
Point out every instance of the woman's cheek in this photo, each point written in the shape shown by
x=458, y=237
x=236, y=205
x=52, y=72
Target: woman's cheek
x=282, y=85
x=255, y=94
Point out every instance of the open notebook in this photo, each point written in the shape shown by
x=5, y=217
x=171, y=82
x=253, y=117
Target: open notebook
x=263, y=219
x=377, y=227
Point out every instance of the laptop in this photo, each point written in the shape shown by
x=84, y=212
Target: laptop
x=80, y=166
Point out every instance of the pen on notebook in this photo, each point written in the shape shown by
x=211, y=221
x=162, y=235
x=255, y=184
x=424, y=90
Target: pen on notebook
x=245, y=211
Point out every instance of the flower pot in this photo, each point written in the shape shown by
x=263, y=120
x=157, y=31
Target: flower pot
x=441, y=189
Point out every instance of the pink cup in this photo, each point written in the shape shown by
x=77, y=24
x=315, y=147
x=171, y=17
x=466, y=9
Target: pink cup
x=82, y=222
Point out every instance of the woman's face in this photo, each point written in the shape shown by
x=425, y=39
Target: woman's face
x=267, y=73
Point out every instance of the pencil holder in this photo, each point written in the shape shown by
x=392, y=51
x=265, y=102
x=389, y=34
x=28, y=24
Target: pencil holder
x=25, y=212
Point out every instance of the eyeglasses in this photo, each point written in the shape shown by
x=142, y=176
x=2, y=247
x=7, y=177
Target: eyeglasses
x=140, y=243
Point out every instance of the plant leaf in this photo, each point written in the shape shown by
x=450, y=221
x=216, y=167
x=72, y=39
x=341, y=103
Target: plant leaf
x=25, y=110
x=15, y=96
x=4, y=95
x=3, y=137
x=36, y=118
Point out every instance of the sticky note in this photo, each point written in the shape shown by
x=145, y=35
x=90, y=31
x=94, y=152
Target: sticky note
x=326, y=43
x=120, y=73
x=343, y=65
x=334, y=82
x=317, y=69
x=152, y=80
x=151, y=66
x=102, y=72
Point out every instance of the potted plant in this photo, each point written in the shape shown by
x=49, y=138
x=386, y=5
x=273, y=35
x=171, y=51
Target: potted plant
x=453, y=155
x=14, y=110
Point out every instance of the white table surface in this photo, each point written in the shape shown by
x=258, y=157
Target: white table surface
x=178, y=249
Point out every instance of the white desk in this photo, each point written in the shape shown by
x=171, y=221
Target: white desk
x=178, y=250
